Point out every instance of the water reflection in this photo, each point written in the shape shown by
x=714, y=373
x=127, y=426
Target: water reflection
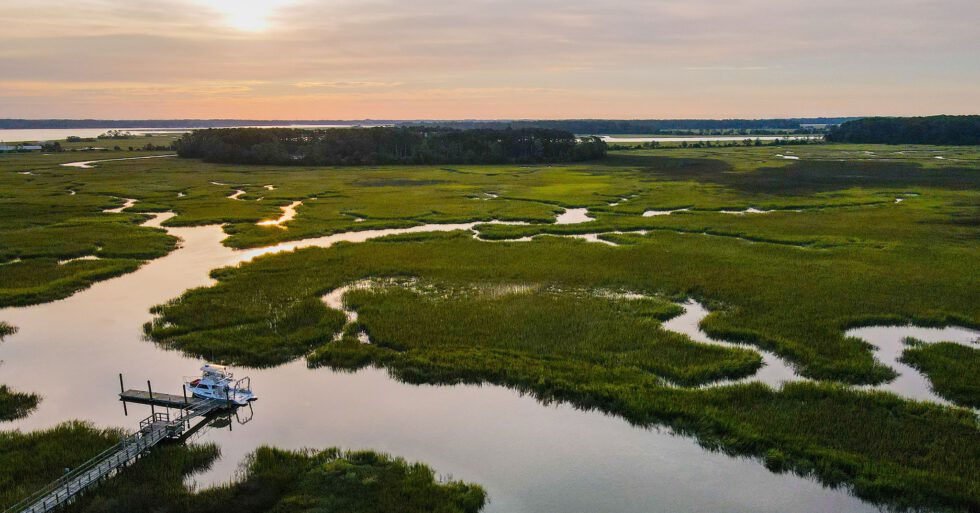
x=889, y=343
x=89, y=164
x=574, y=216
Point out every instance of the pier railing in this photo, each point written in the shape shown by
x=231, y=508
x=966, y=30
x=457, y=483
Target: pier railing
x=154, y=429
x=102, y=465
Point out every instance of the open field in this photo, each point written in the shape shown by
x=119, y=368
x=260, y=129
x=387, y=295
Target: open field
x=845, y=236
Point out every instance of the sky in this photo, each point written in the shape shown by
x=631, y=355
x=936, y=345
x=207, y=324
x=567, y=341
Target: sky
x=487, y=59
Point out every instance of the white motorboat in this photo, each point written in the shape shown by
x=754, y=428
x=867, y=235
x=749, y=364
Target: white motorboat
x=217, y=382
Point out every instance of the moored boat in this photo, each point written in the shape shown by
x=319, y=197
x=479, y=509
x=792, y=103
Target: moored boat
x=217, y=382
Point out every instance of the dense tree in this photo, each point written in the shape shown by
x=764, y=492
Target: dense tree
x=659, y=126
x=946, y=130
x=387, y=145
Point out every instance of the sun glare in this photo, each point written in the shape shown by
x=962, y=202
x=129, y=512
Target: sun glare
x=246, y=15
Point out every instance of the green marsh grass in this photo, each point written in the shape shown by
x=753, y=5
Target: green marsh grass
x=31, y=460
x=796, y=302
x=270, y=480
x=15, y=405
x=280, y=332
x=610, y=332
x=953, y=369
x=852, y=257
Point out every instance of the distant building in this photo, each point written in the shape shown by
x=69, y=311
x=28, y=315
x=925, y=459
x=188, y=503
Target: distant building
x=20, y=147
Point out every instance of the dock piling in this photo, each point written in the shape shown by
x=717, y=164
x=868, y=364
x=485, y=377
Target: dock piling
x=150, y=389
x=122, y=391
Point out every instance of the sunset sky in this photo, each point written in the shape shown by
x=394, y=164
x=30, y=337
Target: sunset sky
x=414, y=59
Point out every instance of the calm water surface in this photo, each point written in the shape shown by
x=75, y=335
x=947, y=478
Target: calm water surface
x=57, y=134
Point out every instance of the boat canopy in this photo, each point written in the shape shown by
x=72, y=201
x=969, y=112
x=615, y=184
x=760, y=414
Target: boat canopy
x=210, y=368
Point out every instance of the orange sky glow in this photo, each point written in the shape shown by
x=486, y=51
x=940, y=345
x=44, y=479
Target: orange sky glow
x=425, y=59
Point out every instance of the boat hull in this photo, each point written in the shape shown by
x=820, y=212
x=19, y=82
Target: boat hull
x=236, y=397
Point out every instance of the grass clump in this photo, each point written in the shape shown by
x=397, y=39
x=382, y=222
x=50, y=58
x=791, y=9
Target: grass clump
x=37, y=265
x=341, y=481
x=952, y=368
x=886, y=449
x=39, y=280
x=28, y=461
x=271, y=479
x=579, y=327
x=15, y=405
x=284, y=329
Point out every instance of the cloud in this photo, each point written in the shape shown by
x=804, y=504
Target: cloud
x=346, y=85
x=727, y=68
x=498, y=53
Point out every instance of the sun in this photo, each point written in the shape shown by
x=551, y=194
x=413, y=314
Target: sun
x=246, y=15
x=247, y=21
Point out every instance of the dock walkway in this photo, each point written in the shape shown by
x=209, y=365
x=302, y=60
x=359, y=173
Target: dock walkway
x=153, y=430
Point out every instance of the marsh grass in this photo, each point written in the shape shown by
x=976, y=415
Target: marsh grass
x=39, y=280
x=883, y=448
x=31, y=460
x=952, y=368
x=39, y=219
x=796, y=303
x=611, y=332
x=15, y=405
x=799, y=280
x=336, y=480
x=282, y=331
x=270, y=480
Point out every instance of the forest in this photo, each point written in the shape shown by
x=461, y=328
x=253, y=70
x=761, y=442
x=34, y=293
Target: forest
x=655, y=126
x=387, y=145
x=942, y=130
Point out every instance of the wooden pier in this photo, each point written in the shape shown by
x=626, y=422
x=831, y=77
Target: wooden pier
x=191, y=414
x=157, y=399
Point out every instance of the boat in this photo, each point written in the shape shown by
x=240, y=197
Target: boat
x=217, y=382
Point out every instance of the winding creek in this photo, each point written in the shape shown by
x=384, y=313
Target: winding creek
x=531, y=457
x=88, y=164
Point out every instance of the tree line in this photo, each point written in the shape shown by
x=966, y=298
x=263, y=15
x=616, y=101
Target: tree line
x=387, y=145
x=656, y=126
x=577, y=126
x=940, y=130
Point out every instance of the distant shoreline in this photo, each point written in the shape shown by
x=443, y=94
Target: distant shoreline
x=11, y=123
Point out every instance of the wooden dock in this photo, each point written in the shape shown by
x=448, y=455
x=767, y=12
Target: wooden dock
x=158, y=399
x=191, y=414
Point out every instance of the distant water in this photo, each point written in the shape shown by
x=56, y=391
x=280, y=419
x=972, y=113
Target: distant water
x=56, y=134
